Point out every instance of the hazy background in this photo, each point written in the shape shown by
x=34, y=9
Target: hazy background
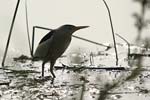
x=54, y=13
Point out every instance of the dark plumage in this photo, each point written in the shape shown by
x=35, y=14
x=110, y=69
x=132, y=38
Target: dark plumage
x=47, y=36
x=54, y=44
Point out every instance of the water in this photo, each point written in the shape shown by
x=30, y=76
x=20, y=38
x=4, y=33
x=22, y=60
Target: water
x=25, y=83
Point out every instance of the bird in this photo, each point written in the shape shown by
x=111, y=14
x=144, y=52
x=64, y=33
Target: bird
x=54, y=44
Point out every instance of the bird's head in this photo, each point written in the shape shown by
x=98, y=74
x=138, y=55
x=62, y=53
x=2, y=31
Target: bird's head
x=70, y=29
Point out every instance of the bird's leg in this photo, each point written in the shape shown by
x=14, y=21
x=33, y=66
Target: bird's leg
x=43, y=69
x=51, y=68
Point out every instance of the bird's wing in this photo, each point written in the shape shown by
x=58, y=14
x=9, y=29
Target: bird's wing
x=43, y=49
x=44, y=46
x=47, y=36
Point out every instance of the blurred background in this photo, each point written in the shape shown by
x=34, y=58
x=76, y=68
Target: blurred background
x=54, y=13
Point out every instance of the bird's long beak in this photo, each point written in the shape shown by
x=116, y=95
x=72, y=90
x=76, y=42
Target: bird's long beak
x=81, y=27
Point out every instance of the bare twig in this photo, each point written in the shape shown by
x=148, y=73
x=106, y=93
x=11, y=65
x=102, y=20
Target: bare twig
x=76, y=37
x=127, y=44
x=90, y=41
x=113, y=33
x=27, y=25
x=82, y=91
x=10, y=32
x=19, y=71
x=125, y=92
x=92, y=68
x=33, y=36
x=49, y=29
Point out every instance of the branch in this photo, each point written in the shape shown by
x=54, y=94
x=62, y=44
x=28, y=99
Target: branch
x=127, y=44
x=113, y=33
x=27, y=25
x=10, y=32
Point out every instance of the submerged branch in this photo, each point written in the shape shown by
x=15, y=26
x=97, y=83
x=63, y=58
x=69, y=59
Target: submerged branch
x=127, y=44
x=92, y=68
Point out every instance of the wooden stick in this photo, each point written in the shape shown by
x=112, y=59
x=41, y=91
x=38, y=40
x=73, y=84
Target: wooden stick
x=84, y=67
x=113, y=33
x=27, y=25
x=49, y=29
x=10, y=32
